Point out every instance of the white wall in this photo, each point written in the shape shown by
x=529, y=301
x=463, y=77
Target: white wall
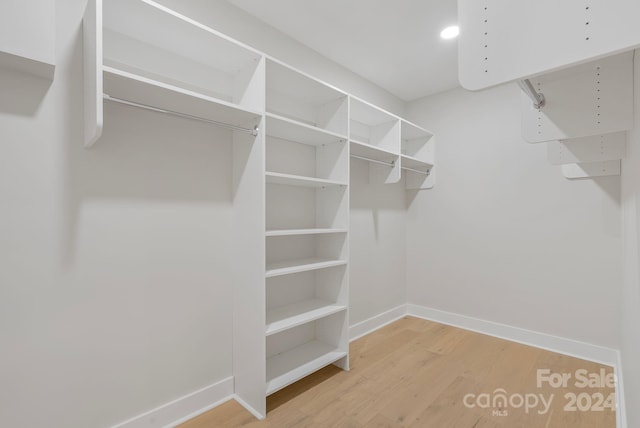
x=377, y=245
x=503, y=236
x=630, y=344
x=238, y=24
x=114, y=263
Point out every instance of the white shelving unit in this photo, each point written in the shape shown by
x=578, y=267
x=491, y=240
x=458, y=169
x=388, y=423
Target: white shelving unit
x=171, y=64
x=307, y=200
x=292, y=137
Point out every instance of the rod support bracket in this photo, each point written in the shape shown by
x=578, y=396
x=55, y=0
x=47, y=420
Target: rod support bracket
x=537, y=97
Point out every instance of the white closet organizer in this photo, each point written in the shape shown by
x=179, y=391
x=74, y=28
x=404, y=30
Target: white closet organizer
x=392, y=146
x=143, y=54
x=307, y=215
x=292, y=138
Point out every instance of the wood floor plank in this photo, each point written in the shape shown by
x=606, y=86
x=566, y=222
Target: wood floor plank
x=416, y=373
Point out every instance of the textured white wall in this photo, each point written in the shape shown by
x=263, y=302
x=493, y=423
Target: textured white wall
x=630, y=344
x=503, y=236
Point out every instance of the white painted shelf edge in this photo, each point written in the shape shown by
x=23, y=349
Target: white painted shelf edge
x=292, y=232
x=299, y=180
x=115, y=78
x=359, y=148
x=286, y=317
x=311, y=128
x=291, y=366
x=301, y=265
x=411, y=162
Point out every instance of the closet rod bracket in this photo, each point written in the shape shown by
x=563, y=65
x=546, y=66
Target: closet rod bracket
x=537, y=97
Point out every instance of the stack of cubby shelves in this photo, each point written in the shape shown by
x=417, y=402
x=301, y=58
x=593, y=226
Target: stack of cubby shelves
x=291, y=137
x=307, y=216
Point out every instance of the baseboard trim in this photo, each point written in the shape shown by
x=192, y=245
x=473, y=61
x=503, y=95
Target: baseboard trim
x=372, y=324
x=191, y=405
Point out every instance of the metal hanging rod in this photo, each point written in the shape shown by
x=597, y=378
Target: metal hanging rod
x=253, y=131
x=537, y=97
x=417, y=171
x=389, y=164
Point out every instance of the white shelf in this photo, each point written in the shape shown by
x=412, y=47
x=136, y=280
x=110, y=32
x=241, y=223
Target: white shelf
x=359, y=148
x=411, y=162
x=293, y=232
x=411, y=131
x=297, y=180
x=302, y=265
x=291, y=366
x=293, y=130
x=286, y=317
x=138, y=89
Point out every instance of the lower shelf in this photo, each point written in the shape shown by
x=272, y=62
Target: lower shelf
x=284, y=369
x=283, y=318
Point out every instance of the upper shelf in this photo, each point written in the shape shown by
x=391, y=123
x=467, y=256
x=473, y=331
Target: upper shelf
x=27, y=37
x=505, y=41
x=295, y=95
x=156, y=48
x=373, y=126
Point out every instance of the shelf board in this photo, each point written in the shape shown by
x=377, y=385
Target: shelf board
x=359, y=148
x=411, y=131
x=292, y=232
x=286, y=317
x=291, y=366
x=411, y=162
x=368, y=114
x=301, y=265
x=298, y=180
x=293, y=130
x=138, y=89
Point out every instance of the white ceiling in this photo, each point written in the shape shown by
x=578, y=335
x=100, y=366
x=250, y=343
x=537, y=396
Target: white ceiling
x=394, y=43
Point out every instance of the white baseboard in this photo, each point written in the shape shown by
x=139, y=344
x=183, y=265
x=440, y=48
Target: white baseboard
x=365, y=327
x=183, y=408
x=573, y=348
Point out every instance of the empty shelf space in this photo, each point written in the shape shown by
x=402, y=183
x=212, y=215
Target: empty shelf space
x=301, y=265
x=298, y=180
x=293, y=232
x=411, y=162
x=147, y=92
x=293, y=365
x=283, y=318
x=293, y=130
x=371, y=152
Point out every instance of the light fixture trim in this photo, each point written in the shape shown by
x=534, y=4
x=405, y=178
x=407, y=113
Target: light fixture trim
x=450, y=32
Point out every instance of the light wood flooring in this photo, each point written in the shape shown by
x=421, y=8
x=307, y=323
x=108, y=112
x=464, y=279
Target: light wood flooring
x=415, y=373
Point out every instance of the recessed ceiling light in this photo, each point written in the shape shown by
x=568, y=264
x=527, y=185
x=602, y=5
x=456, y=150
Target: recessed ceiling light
x=450, y=32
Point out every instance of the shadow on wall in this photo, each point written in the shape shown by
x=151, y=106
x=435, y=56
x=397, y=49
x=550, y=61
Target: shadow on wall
x=142, y=157
x=21, y=94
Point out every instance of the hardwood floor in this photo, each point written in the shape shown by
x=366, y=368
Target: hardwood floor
x=418, y=374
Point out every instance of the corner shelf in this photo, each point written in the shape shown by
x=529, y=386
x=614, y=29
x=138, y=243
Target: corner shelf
x=286, y=317
x=298, y=180
x=288, y=367
x=302, y=265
